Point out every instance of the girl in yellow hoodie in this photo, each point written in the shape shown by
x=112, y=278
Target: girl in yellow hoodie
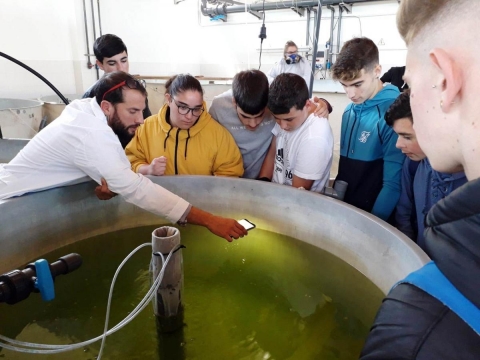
x=183, y=139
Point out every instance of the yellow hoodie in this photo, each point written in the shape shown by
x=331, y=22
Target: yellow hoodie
x=207, y=148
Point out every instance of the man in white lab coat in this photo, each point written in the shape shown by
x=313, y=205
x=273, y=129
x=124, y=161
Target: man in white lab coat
x=84, y=143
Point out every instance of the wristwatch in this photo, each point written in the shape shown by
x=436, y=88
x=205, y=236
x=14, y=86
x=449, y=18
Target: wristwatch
x=182, y=222
x=183, y=219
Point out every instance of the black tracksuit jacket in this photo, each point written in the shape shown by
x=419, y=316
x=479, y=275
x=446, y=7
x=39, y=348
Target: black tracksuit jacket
x=413, y=325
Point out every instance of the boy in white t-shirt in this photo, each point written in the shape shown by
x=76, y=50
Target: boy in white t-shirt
x=300, y=154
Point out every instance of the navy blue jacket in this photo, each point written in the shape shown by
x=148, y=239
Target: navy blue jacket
x=411, y=324
x=420, y=191
x=369, y=161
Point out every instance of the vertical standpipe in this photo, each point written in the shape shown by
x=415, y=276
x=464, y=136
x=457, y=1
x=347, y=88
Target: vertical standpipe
x=168, y=306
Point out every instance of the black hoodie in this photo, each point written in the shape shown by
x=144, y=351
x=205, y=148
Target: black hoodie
x=413, y=325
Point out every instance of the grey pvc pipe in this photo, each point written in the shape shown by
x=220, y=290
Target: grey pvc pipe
x=332, y=24
x=315, y=44
x=339, y=28
x=168, y=299
x=94, y=33
x=89, y=63
x=99, y=18
x=223, y=9
x=308, y=29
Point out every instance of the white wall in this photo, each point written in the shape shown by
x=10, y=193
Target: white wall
x=163, y=39
x=47, y=36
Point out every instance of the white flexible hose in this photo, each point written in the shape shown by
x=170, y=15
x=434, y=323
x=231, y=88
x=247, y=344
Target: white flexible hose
x=52, y=349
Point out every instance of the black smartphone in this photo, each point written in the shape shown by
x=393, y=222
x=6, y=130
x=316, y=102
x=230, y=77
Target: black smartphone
x=246, y=224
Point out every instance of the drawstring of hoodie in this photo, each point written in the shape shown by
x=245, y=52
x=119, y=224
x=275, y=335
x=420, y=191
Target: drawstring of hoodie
x=166, y=138
x=176, y=140
x=186, y=143
x=441, y=186
x=167, y=119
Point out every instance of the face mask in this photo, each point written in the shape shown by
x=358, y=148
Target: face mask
x=292, y=58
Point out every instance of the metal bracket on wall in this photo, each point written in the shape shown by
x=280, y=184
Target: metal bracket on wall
x=257, y=14
x=226, y=2
x=299, y=11
x=345, y=7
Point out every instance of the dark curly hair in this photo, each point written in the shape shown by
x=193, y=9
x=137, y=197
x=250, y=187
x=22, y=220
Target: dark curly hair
x=287, y=90
x=399, y=109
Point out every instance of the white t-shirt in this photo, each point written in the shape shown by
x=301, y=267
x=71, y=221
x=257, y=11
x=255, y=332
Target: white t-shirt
x=79, y=145
x=306, y=152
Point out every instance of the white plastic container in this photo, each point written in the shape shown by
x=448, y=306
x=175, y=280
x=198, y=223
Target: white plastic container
x=53, y=105
x=20, y=119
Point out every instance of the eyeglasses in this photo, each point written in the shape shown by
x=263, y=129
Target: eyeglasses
x=184, y=110
x=130, y=83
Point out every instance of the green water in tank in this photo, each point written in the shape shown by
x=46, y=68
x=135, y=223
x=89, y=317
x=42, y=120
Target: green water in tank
x=266, y=296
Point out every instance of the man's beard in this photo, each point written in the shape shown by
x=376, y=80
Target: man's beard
x=120, y=130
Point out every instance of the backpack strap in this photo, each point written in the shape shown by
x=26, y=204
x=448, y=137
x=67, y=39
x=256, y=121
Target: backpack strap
x=431, y=280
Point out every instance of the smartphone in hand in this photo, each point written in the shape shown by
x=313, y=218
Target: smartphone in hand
x=246, y=224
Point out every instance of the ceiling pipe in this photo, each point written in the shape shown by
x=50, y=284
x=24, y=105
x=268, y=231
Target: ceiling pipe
x=224, y=9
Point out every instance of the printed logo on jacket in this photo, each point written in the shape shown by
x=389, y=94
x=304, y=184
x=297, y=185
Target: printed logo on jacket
x=364, y=136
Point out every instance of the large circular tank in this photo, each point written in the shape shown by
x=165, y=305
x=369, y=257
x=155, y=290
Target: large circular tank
x=53, y=105
x=20, y=119
x=38, y=223
x=9, y=148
